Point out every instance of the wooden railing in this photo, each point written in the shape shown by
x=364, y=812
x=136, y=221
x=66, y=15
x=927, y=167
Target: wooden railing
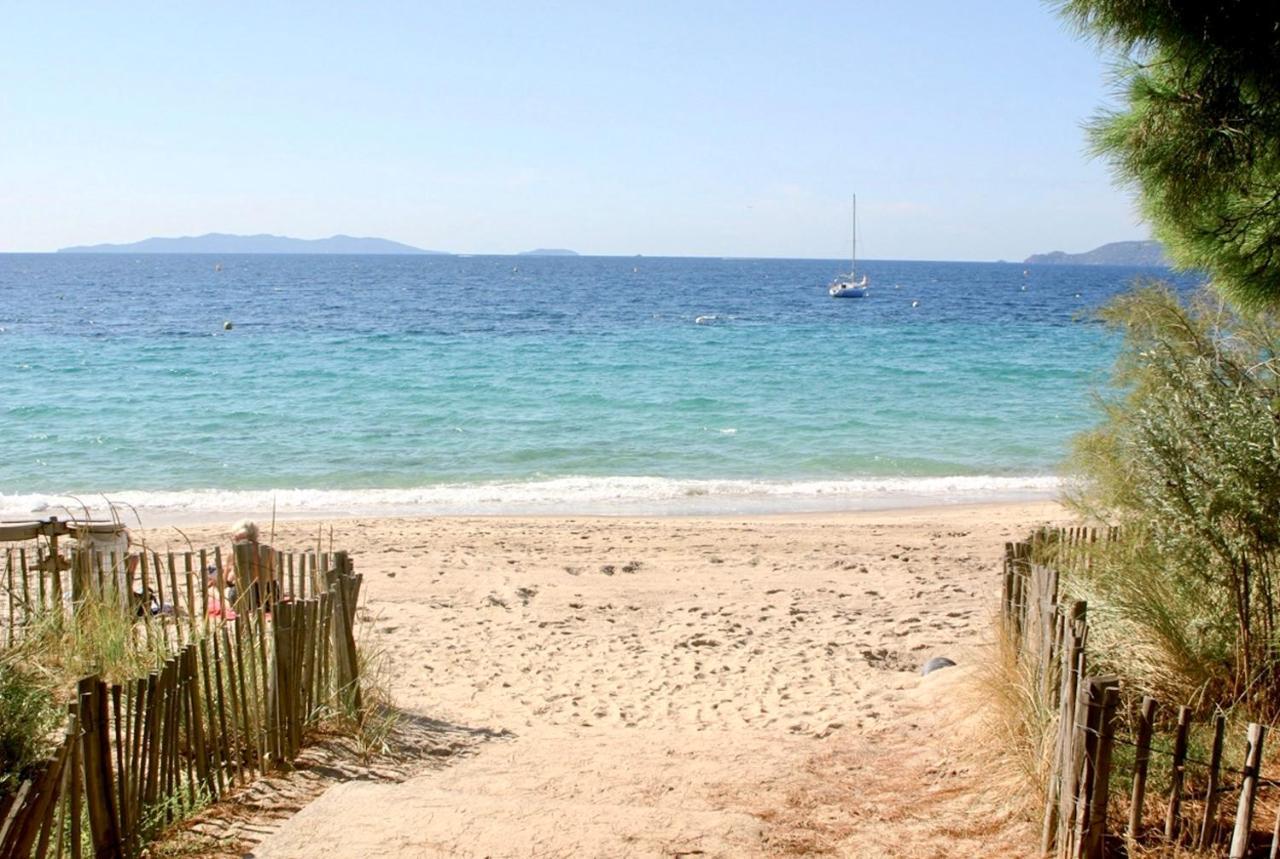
x=235, y=698
x=1050, y=637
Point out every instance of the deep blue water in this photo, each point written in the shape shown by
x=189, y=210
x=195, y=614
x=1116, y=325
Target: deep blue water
x=500, y=383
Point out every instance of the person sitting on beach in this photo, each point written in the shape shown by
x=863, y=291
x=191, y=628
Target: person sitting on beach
x=254, y=566
x=221, y=597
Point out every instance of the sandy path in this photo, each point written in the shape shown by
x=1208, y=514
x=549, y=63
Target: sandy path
x=711, y=687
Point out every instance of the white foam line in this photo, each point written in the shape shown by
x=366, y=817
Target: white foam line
x=565, y=495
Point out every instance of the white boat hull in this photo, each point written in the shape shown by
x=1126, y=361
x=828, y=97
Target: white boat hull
x=847, y=292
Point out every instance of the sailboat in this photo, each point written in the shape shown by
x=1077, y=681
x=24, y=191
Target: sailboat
x=848, y=285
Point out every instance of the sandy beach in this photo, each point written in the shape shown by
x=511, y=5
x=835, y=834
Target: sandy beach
x=672, y=687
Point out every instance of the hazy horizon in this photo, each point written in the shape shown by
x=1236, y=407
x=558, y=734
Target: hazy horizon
x=413, y=250
x=735, y=130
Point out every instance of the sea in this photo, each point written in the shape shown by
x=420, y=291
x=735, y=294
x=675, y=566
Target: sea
x=192, y=386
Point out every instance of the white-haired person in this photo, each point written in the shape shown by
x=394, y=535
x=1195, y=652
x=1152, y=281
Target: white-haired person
x=255, y=574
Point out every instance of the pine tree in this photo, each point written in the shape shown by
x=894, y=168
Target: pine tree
x=1199, y=135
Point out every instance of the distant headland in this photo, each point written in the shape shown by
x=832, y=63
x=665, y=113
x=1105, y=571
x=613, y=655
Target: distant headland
x=224, y=243
x=1148, y=253
x=548, y=252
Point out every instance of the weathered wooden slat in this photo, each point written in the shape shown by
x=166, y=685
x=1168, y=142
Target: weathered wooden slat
x=1177, y=772
x=1142, y=758
x=1209, y=822
x=1248, y=789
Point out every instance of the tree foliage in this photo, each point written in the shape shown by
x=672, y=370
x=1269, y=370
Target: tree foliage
x=1188, y=458
x=1199, y=136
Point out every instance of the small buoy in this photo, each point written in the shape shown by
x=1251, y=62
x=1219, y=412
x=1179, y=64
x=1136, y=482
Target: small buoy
x=915, y=304
x=1077, y=295
x=634, y=270
x=227, y=326
x=1024, y=288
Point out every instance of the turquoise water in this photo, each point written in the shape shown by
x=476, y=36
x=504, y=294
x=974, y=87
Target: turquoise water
x=500, y=384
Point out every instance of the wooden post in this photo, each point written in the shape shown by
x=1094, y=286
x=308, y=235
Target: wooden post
x=100, y=796
x=121, y=741
x=1248, y=788
x=1209, y=823
x=8, y=573
x=187, y=564
x=1177, y=771
x=1142, y=758
x=1059, y=809
x=196, y=736
x=53, y=550
x=1092, y=756
x=75, y=781
x=346, y=588
x=1105, y=738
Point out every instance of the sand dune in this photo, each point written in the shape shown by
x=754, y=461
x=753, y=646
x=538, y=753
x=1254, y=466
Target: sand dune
x=710, y=687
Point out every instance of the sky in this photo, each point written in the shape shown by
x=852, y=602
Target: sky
x=693, y=128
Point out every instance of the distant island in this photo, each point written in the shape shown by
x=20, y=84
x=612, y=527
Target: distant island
x=224, y=243
x=1148, y=253
x=548, y=252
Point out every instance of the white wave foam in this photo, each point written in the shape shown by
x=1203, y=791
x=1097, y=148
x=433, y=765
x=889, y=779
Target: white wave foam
x=559, y=496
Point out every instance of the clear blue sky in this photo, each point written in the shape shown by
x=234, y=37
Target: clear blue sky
x=662, y=128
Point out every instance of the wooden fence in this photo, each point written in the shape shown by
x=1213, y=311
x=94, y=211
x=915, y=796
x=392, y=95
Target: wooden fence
x=233, y=700
x=1051, y=637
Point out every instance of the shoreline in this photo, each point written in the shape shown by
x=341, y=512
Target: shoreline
x=561, y=497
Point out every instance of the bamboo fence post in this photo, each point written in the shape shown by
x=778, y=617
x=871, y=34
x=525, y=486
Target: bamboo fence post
x=1248, y=788
x=1142, y=758
x=1177, y=772
x=1209, y=823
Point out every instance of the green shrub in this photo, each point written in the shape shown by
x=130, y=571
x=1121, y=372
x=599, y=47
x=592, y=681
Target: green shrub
x=1187, y=457
x=28, y=717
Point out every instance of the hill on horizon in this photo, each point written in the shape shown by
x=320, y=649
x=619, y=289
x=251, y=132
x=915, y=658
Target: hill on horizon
x=227, y=243
x=1144, y=253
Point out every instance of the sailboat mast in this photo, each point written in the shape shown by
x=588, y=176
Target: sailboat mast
x=853, y=260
